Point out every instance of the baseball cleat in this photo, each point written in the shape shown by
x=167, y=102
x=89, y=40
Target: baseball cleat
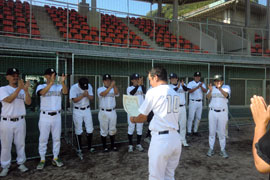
x=4, y=172
x=147, y=140
x=210, y=152
x=41, y=165
x=185, y=144
x=92, y=150
x=139, y=147
x=23, y=168
x=57, y=162
x=224, y=154
x=197, y=134
x=130, y=148
x=105, y=150
x=189, y=134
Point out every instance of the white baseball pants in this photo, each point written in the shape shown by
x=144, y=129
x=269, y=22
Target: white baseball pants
x=164, y=155
x=131, y=127
x=107, y=122
x=10, y=131
x=80, y=116
x=217, y=123
x=183, y=123
x=47, y=124
x=195, y=111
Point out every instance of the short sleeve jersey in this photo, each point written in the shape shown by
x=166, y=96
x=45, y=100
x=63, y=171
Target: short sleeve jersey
x=52, y=100
x=17, y=107
x=164, y=102
x=181, y=93
x=198, y=93
x=76, y=91
x=263, y=147
x=139, y=93
x=218, y=101
x=107, y=102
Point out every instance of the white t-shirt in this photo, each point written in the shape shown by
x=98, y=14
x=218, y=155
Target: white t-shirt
x=198, y=93
x=218, y=101
x=76, y=91
x=181, y=93
x=139, y=93
x=17, y=107
x=164, y=102
x=107, y=102
x=51, y=101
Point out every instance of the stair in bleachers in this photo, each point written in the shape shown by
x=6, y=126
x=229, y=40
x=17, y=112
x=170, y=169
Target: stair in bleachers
x=15, y=19
x=146, y=38
x=163, y=37
x=47, y=29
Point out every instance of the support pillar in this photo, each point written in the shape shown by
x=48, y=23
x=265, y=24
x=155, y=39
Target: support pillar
x=268, y=25
x=83, y=8
x=175, y=16
x=93, y=15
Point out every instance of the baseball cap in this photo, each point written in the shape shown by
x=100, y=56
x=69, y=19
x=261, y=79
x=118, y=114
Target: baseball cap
x=12, y=71
x=83, y=82
x=134, y=76
x=49, y=71
x=197, y=74
x=106, y=76
x=218, y=77
x=173, y=75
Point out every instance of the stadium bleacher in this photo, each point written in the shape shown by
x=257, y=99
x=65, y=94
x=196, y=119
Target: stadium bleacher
x=15, y=19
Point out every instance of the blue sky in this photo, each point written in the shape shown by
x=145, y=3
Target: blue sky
x=135, y=7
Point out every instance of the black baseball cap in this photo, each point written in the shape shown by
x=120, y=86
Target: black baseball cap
x=173, y=75
x=106, y=76
x=134, y=76
x=83, y=82
x=50, y=71
x=218, y=77
x=12, y=71
x=197, y=74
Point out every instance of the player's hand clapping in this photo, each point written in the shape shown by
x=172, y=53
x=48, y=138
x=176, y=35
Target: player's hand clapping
x=26, y=85
x=113, y=83
x=85, y=93
x=260, y=111
x=210, y=87
x=63, y=78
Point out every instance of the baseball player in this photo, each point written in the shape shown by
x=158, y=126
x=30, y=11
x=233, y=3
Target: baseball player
x=165, y=146
x=13, y=97
x=81, y=93
x=196, y=90
x=137, y=89
x=218, y=114
x=50, y=115
x=180, y=88
x=107, y=115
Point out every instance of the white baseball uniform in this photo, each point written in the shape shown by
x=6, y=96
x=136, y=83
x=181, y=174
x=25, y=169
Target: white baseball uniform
x=139, y=126
x=182, y=112
x=107, y=115
x=81, y=109
x=218, y=116
x=195, y=105
x=165, y=147
x=50, y=119
x=12, y=126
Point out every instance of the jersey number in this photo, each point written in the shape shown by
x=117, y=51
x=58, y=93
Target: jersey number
x=175, y=103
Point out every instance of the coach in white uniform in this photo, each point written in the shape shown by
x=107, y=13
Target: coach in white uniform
x=13, y=97
x=165, y=147
x=181, y=89
x=107, y=115
x=218, y=114
x=50, y=115
x=137, y=89
x=81, y=93
x=197, y=88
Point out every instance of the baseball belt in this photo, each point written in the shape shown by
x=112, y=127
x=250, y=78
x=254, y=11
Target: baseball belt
x=51, y=113
x=163, y=132
x=198, y=100
x=13, y=119
x=216, y=110
x=109, y=110
x=84, y=108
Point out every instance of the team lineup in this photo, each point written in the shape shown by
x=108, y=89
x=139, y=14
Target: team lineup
x=163, y=105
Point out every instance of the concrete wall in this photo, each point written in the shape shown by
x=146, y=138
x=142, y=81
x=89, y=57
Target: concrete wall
x=196, y=37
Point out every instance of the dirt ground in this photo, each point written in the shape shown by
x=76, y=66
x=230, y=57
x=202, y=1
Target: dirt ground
x=121, y=165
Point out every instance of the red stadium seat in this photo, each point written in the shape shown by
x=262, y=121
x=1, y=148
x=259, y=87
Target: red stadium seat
x=8, y=29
